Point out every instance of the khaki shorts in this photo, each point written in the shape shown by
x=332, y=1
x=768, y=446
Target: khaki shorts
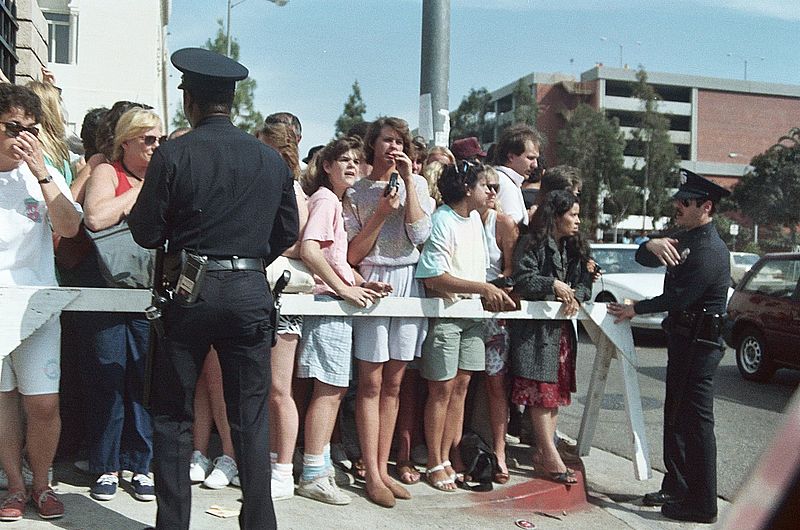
x=452, y=344
x=34, y=367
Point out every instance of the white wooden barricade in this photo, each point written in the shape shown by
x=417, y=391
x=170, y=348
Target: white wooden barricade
x=25, y=309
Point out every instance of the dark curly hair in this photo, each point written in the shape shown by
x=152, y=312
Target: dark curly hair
x=15, y=96
x=543, y=224
x=89, y=130
x=457, y=178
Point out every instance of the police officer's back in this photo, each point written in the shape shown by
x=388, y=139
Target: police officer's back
x=225, y=203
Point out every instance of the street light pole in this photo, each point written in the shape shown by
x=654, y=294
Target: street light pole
x=434, y=120
x=745, y=60
x=231, y=4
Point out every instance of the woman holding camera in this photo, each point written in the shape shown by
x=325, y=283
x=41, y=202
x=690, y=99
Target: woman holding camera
x=387, y=218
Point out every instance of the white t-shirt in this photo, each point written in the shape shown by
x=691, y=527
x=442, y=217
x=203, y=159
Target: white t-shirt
x=456, y=246
x=26, y=239
x=510, y=194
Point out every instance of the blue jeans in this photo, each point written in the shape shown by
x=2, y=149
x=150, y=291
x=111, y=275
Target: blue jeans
x=120, y=429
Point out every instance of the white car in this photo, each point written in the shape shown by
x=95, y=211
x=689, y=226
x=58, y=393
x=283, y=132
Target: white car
x=624, y=279
x=740, y=264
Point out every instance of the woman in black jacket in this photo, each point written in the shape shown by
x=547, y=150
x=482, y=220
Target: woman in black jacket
x=550, y=265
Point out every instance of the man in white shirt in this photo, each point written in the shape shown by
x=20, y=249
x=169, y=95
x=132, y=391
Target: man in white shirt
x=516, y=158
x=32, y=198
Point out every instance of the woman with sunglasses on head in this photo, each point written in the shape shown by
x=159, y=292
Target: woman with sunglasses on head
x=387, y=218
x=453, y=265
x=120, y=429
x=550, y=265
x=501, y=237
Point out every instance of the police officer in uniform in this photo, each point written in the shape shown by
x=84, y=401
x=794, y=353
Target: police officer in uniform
x=217, y=195
x=695, y=294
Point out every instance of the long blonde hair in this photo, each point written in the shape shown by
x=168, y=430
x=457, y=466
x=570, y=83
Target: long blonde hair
x=53, y=133
x=131, y=124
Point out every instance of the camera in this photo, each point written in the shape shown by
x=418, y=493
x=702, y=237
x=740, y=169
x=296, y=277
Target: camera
x=393, y=183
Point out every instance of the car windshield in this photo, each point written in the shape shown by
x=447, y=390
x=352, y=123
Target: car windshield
x=777, y=277
x=745, y=259
x=621, y=260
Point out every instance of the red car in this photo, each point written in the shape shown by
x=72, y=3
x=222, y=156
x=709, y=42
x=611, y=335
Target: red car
x=764, y=317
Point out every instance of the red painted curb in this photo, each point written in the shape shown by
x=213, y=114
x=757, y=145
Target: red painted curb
x=538, y=494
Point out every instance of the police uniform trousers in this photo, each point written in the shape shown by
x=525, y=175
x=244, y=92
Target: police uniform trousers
x=690, y=446
x=232, y=314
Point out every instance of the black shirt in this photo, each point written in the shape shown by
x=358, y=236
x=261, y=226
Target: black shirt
x=217, y=191
x=699, y=282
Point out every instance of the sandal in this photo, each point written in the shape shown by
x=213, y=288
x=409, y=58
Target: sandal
x=440, y=485
x=456, y=477
x=406, y=470
x=567, y=477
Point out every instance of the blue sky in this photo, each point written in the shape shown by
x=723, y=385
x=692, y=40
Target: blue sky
x=306, y=55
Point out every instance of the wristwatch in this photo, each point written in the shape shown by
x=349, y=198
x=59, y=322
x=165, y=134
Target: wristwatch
x=45, y=180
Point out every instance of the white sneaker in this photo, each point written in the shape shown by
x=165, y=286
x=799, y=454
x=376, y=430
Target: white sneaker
x=323, y=489
x=224, y=471
x=281, y=489
x=199, y=467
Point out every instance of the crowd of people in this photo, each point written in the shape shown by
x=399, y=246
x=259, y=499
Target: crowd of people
x=378, y=214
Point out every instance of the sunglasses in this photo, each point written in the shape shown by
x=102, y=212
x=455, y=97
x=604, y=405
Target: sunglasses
x=495, y=187
x=13, y=129
x=149, y=139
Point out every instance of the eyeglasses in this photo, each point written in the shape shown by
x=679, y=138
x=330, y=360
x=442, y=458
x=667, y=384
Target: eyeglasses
x=13, y=129
x=149, y=139
x=495, y=187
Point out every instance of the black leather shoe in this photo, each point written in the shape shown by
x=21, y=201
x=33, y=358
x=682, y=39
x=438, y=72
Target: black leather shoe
x=660, y=498
x=680, y=512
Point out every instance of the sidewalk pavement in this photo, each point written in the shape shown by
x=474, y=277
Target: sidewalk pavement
x=614, y=502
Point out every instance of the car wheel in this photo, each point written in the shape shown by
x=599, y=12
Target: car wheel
x=752, y=358
x=606, y=298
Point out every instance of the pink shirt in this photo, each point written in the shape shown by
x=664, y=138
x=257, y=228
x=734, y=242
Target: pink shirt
x=326, y=225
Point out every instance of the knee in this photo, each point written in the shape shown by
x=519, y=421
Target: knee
x=41, y=409
x=369, y=389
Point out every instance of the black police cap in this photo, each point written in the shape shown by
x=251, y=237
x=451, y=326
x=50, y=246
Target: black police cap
x=207, y=71
x=693, y=186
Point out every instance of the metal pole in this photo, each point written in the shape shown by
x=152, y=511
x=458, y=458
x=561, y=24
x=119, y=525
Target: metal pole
x=621, y=64
x=229, y=29
x=745, y=69
x=434, y=118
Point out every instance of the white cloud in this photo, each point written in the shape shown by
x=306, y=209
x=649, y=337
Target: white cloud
x=783, y=9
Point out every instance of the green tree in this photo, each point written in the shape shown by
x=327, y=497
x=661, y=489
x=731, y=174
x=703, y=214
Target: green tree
x=651, y=142
x=525, y=108
x=353, y=113
x=770, y=192
x=473, y=117
x=243, y=112
x=595, y=145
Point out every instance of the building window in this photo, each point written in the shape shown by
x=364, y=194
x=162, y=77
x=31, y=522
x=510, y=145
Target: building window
x=8, y=38
x=58, y=37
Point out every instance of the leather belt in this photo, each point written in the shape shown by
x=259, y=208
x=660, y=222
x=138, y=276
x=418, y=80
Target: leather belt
x=236, y=264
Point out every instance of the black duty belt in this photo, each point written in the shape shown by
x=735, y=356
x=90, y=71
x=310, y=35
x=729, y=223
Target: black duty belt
x=236, y=264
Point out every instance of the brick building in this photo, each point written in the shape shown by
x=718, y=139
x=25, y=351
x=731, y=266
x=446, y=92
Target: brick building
x=717, y=125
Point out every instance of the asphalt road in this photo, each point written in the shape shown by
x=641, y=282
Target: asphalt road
x=747, y=414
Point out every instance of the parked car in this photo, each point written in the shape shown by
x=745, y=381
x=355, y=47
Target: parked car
x=764, y=317
x=741, y=262
x=624, y=279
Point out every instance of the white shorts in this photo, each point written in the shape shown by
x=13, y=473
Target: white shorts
x=34, y=367
x=378, y=339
